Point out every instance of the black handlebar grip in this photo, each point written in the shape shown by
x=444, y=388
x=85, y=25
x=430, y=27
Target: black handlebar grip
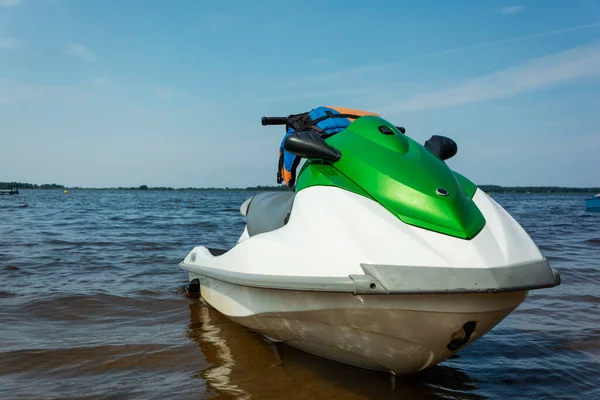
x=274, y=121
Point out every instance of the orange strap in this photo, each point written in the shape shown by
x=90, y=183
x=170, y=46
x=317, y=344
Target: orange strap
x=351, y=111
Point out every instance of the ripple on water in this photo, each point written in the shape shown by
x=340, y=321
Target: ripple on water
x=97, y=308
x=91, y=288
x=100, y=359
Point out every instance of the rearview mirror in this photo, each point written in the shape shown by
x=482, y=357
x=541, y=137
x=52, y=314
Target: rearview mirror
x=309, y=145
x=442, y=147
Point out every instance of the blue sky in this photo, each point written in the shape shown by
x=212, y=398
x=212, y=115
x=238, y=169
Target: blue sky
x=123, y=93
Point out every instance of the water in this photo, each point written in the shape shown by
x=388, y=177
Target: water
x=91, y=306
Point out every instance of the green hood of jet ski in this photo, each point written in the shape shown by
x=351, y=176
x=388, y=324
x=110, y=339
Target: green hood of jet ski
x=381, y=163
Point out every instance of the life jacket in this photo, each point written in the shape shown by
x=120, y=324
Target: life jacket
x=326, y=121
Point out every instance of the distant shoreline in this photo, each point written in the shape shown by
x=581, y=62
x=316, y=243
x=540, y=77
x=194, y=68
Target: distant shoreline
x=54, y=186
x=486, y=188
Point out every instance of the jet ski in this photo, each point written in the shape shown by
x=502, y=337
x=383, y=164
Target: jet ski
x=380, y=256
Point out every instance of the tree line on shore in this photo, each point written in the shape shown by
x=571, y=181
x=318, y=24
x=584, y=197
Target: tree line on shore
x=23, y=185
x=537, y=189
x=487, y=188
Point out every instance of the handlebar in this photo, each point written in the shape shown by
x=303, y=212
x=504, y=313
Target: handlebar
x=274, y=121
x=283, y=121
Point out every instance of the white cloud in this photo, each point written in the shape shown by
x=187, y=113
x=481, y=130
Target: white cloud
x=79, y=51
x=15, y=92
x=512, y=10
x=7, y=43
x=539, y=73
x=7, y=3
x=519, y=38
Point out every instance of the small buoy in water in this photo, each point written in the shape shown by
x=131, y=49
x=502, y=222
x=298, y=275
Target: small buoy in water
x=65, y=191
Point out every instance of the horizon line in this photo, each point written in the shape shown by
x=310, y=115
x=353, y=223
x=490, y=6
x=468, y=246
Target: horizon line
x=56, y=186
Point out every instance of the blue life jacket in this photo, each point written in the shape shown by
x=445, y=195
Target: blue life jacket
x=326, y=121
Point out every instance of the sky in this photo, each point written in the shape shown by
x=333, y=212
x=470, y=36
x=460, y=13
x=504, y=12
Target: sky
x=170, y=93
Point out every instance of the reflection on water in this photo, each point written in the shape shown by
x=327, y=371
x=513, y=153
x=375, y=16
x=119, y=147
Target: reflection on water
x=244, y=365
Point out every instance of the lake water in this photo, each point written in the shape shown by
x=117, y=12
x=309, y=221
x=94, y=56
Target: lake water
x=91, y=306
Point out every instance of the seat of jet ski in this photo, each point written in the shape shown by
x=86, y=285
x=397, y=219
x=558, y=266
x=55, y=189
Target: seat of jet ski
x=267, y=211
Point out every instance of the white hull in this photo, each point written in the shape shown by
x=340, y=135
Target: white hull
x=345, y=279
x=396, y=333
